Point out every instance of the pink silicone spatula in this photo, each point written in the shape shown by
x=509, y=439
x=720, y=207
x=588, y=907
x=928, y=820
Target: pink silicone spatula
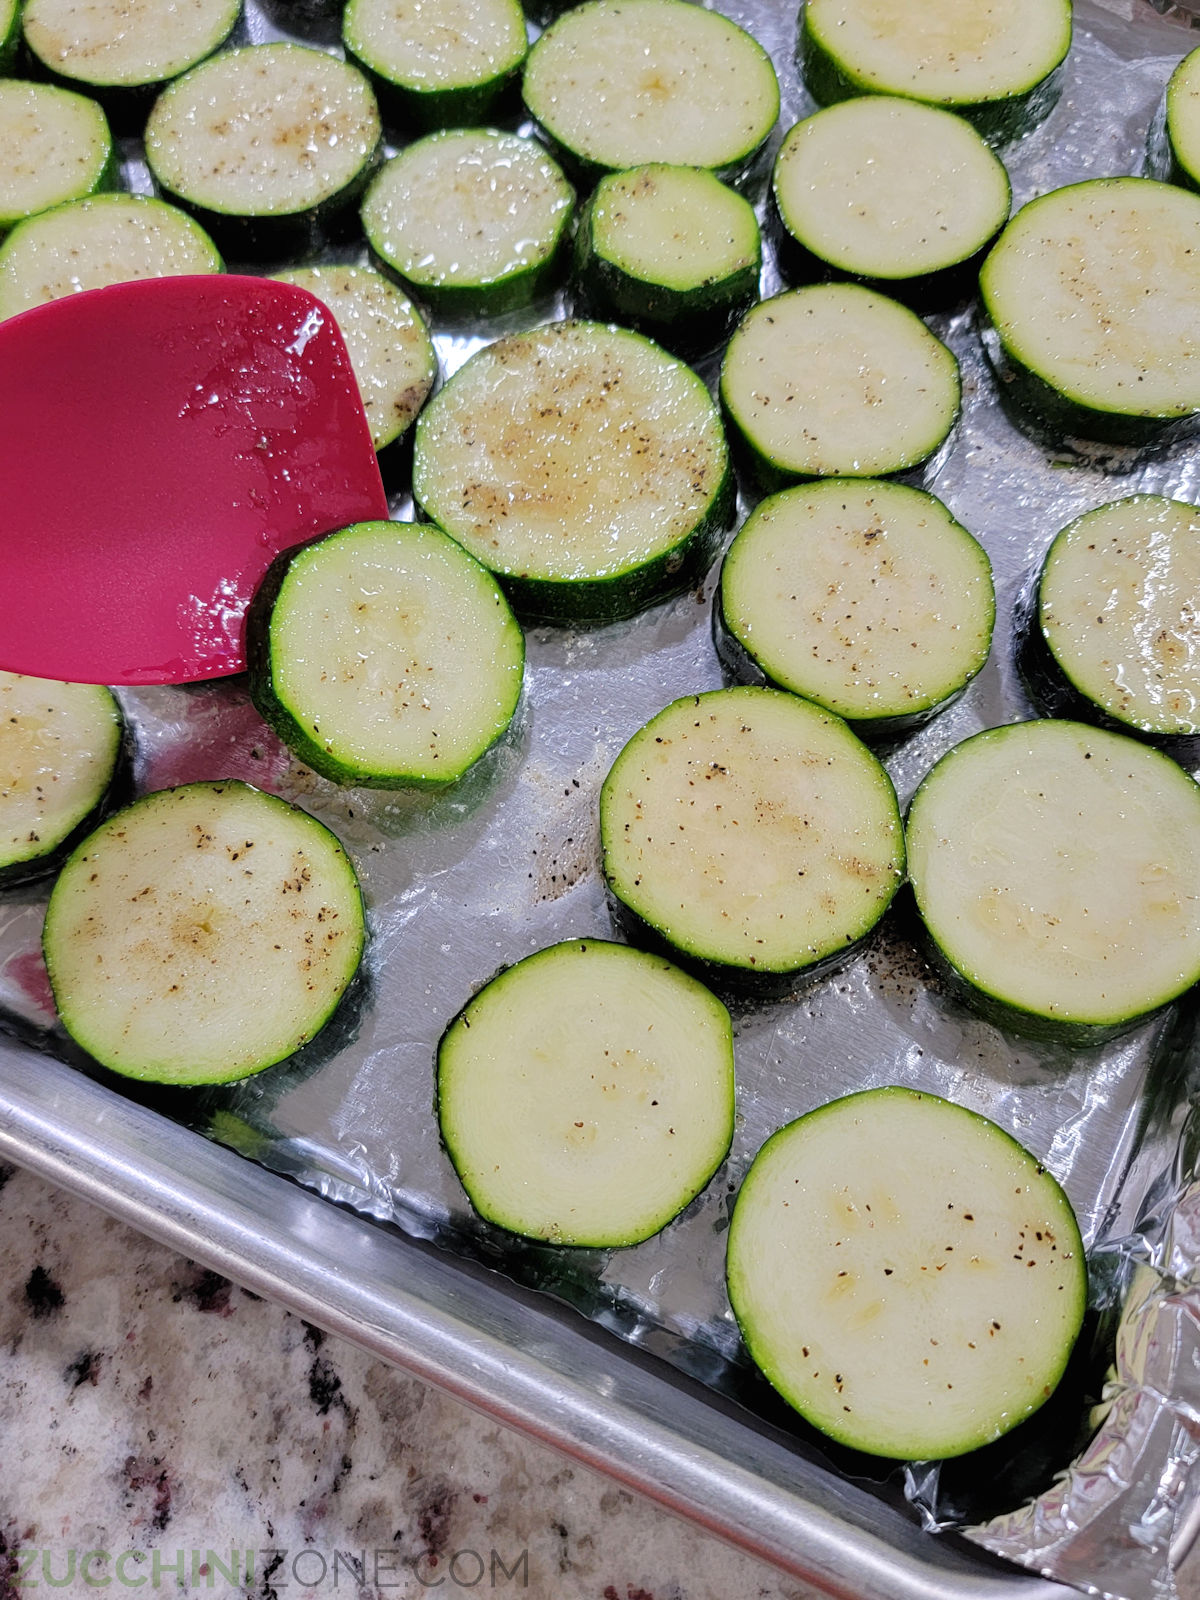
x=160, y=442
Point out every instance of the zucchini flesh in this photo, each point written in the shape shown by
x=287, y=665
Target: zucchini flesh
x=868, y=598
x=751, y=831
x=125, y=43
x=60, y=744
x=384, y=654
x=1056, y=868
x=908, y=1313
x=10, y=33
x=582, y=464
x=585, y=1096
x=616, y=83
x=107, y=238
x=443, y=65
x=1175, y=153
x=55, y=146
x=202, y=934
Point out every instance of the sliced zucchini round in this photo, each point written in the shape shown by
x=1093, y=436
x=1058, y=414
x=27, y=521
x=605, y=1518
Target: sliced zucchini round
x=1056, y=868
x=10, y=34
x=585, y=1095
x=471, y=219
x=384, y=654
x=388, y=343
x=202, y=934
x=439, y=66
x=999, y=66
x=267, y=145
x=582, y=464
x=911, y=1311
x=108, y=238
x=616, y=83
x=1119, y=613
x=752, y=833
x=60, y=748
x=890, y=192
x=868, y=598
x=1174, y=139
x=1094, y=295
x=670, y=250
x=836, y=381
x=55, y=146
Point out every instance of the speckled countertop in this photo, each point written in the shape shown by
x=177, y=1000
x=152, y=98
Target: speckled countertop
x=150, y=1410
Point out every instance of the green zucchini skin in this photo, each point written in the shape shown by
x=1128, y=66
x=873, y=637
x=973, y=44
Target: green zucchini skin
x=10, y=36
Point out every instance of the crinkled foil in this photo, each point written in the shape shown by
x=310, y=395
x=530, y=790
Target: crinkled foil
x=507, y=862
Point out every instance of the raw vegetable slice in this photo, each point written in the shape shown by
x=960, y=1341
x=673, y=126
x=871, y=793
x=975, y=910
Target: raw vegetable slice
x=752, y=832
x=868, y=598
x=439, y=66
x=60, y=751
x=1000, y=66
x=384, y=654
x=582, y=464
x=1057, y=870
x=1174, y=141
x=10, y=33
x=1094, y=295
x=585, y=1096
x=892, y=192
x=107, y=238
x=55, y=146
x=837, y=381
x=471, y=219
x=616, y=83
x=202, y=934
x=908, y=1317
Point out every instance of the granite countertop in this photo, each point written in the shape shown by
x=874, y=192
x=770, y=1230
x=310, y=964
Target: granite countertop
x=148, y=1405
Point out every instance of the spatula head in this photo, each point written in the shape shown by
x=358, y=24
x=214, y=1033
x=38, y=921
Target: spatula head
x=160, y=442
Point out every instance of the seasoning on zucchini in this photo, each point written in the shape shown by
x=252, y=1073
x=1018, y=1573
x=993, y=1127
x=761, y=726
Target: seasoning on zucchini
x=868, y=598
x=585, y=1095
x=836, y=381
x=383, y=654
x=671, y=251
x=1174, y=137
x=202, y=934
x=890, y=192
x=1093, y=292
x=474, y=221
x=999, y=66
x=86, y=244
x=616, y=83
x=753, y=834
x=909, y=1317
x=440, y=66
x=1056, y=868
x=55, y=146
x=582, y=464
x=60, y=750
x=268, y=145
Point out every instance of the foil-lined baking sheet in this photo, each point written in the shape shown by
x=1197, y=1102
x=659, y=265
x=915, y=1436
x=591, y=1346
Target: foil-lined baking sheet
x=459, y=884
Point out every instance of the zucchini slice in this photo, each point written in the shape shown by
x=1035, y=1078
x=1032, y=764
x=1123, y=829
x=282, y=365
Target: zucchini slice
x=585, y=1095
x=10, y=34
x=474, y=221
x=910, y=1318
x=889, y=192
x=202, y=934
x=387, y=341
x=998, y=65
x=752, y=833
x=439, y=66
x=670, y=250
x=836, y=381
x=267, y=145
x=1093, y=292
x=384, y=654
x=1056, y=868
x=582, y=464
x=1174, y=140
x=1119, y=614
x=617, y=83
x=107, y=238
x=868, y=598
x=60, y=750
x=55, y=146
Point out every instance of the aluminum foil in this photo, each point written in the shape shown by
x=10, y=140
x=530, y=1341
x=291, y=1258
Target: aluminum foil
x=507, y=862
